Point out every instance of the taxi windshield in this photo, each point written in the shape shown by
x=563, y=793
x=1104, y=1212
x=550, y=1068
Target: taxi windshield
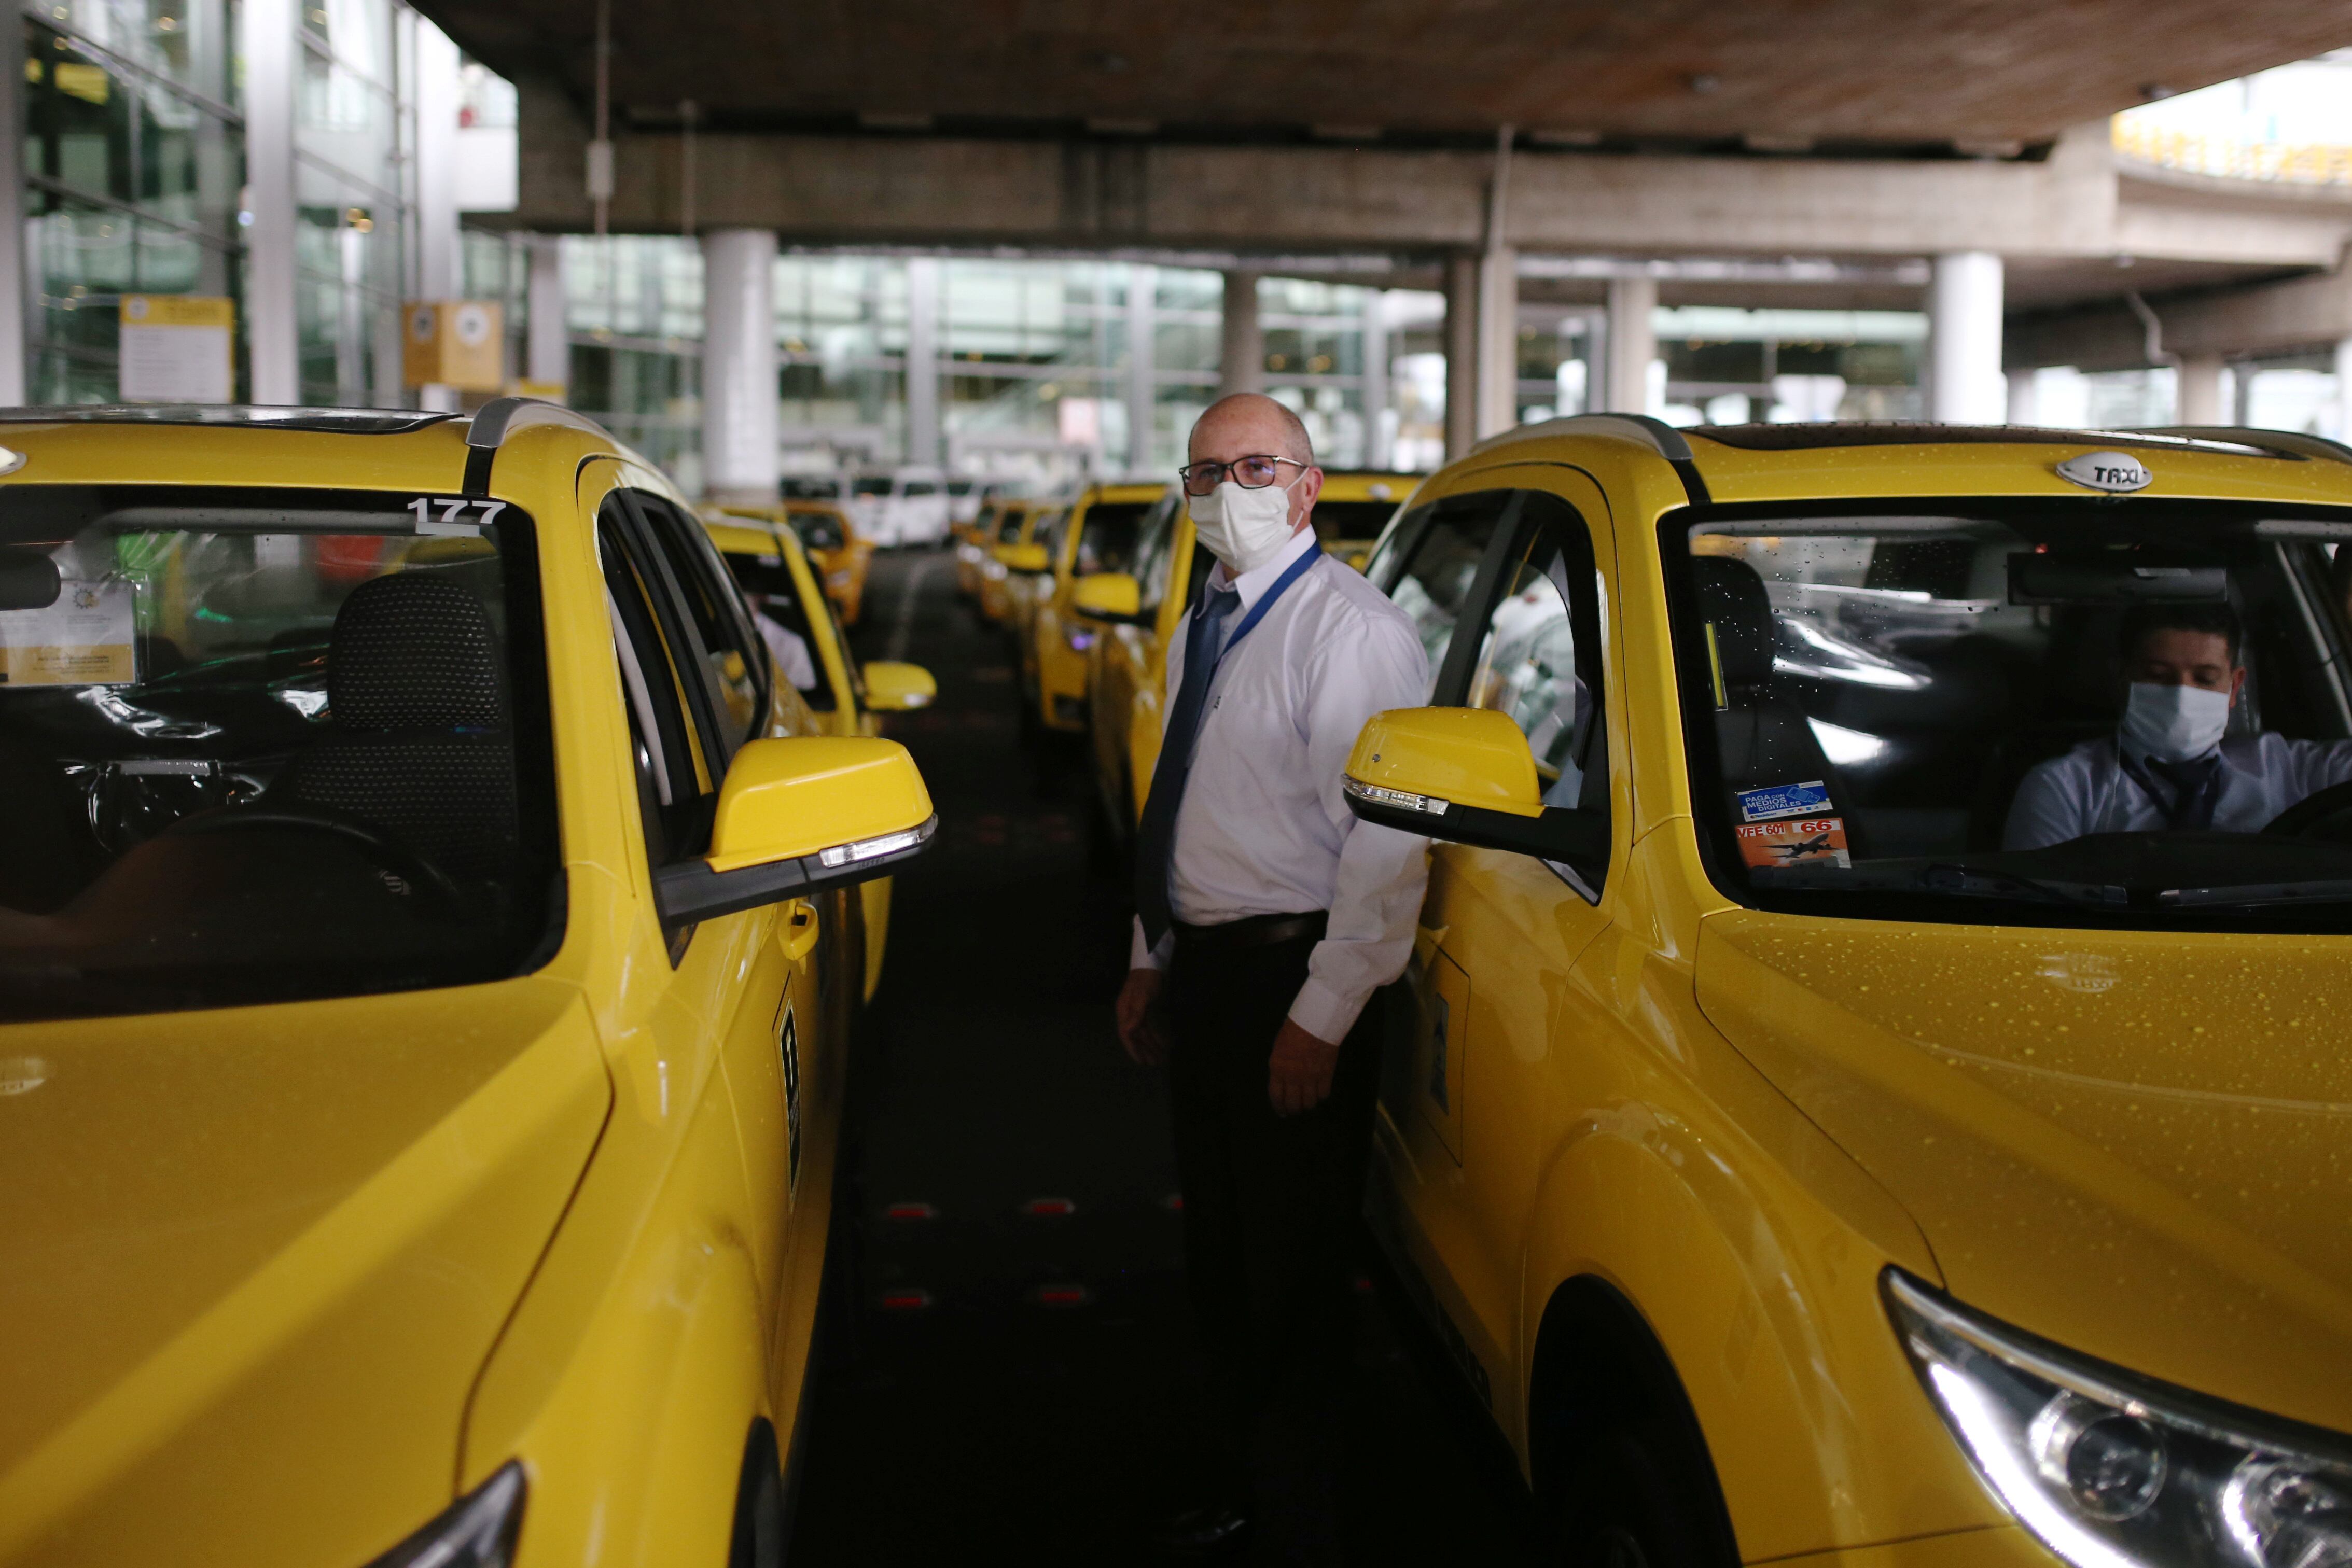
x=265, y=745
x=2045, y=712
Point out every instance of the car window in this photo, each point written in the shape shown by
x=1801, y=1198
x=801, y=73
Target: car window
x=1538, y=656
x=1437, y=579
x=1154, y=546
x=1107, y=536
x=264, y=744
x=1045, y=528
x=818, y=530
x=2049, y=711
x=731, y=648
x=675, y=792
x=1351, y=522
x=766, y=578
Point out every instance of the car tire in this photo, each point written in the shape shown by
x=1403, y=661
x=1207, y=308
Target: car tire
x=761, y=1521
x=1637, y=1496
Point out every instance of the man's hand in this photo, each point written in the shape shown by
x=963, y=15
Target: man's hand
x=1141, y=1030
x=1298, y=1074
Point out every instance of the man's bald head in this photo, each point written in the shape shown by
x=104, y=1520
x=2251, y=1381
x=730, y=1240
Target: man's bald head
x=1247, y=425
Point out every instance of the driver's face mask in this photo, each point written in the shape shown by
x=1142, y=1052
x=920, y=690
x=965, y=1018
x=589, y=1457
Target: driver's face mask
x=2173, y=723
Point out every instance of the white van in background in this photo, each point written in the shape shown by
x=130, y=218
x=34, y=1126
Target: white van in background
x=906, y=506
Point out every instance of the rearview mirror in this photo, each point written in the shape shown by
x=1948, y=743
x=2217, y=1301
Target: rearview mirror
x=1465, y=775
x=28, y=579
x=894, y=687
x=796, y=816
x=1025, y=558
x=1108, y=596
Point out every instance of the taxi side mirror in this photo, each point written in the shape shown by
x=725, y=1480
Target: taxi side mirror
x=1108, y=596
x=1025, y=558
x=894, y=687
x=1465, y=775
x=797, y=816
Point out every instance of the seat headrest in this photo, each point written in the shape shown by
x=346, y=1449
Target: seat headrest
x=414, y=651
x=1731, y=596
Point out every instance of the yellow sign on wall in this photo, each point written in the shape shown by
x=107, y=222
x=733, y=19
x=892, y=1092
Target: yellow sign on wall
x=458, y=343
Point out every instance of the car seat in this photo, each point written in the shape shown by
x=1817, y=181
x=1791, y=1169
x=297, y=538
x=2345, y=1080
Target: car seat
x=419, y=745
x=1762, y=738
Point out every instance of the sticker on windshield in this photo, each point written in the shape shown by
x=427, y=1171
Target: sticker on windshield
x=1804, y=841
x=1783, y=800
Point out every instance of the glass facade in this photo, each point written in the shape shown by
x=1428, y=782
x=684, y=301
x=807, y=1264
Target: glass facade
x=134, y=154
x=350, y=215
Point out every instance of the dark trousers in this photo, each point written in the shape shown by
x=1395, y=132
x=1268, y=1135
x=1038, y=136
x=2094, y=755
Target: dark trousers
x=1271, y=1208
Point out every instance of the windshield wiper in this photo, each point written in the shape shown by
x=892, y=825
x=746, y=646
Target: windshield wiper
x=1946, y=877
x=2252, y=893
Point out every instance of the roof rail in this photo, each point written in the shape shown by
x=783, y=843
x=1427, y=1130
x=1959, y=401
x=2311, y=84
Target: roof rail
x=1655, y=433
x=501, y=417
x=2286, y=443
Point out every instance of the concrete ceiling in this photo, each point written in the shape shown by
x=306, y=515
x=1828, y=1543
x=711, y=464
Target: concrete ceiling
x=1980, y=74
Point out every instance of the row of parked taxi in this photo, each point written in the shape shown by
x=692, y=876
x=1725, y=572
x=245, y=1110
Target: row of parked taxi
x=1800, y=1164
x=443, y=872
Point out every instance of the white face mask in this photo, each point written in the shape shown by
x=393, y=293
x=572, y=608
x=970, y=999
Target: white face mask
x=1244, y=529
x=2173, y=723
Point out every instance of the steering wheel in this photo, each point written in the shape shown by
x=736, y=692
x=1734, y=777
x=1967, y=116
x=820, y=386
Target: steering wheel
x=395, y=858
x=2297, y=821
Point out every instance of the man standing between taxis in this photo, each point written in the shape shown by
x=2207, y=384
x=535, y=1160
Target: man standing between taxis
x=1266, y=918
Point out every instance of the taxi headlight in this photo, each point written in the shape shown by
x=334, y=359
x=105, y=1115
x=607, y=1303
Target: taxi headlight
x=477, y=1530
x=2110, y=1469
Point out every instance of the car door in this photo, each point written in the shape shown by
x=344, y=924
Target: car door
x=1187, y=567
x=744, y=983
x=1468, y=1089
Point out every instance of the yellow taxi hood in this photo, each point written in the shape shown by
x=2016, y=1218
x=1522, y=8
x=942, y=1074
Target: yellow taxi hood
x=253, y=1258
x=2135, y=1144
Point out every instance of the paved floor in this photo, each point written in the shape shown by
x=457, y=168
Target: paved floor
x=1008, y=1374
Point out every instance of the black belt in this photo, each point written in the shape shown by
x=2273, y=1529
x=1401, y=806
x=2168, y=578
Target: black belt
x=1253, y=931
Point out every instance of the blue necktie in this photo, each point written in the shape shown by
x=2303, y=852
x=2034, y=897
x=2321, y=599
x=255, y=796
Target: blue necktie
x=1156, y=839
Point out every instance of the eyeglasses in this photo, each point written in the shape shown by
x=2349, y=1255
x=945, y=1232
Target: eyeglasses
x=1253, y=473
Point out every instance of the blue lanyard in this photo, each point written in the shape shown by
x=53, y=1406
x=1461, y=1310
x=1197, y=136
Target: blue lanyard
x=1292, y=573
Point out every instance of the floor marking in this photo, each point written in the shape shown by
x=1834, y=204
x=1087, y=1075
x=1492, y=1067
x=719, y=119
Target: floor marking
x=902, y=625
x=1049, y=1208
x=905, y=1300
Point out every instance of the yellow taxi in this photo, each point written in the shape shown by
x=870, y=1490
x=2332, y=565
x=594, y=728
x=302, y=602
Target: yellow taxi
x=1355, y=506
x=999, y=521
x=1097, y=536
x=1874, y=1086
x=425, y=997
x=1133, y=610
x=811, y=652
x=839, y=553
x=1021, y=554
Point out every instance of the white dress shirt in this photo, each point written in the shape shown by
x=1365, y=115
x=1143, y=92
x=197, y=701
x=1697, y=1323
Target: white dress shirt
x=2087, y=791
x=1264, y=827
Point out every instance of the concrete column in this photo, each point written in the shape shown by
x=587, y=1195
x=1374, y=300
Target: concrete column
x=270, y=47
x=2197, y=398
x=2343, y=389
x=2242, y=390
x=1498, y=341
x=1375, y=397
x=547, y=351
x=1461, y=354
x=1964, y=308
x=439, y=273
x=739, y=416
x=15, y=308
x=1632, y=344
x=1142, y=362
x=1241, y=342
x=922, y=359
x=209, y=48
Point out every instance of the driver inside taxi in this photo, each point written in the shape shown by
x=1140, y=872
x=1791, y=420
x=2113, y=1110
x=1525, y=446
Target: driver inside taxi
x=2170, y=765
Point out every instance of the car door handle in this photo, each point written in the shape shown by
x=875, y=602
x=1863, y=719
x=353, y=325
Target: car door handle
x=800, y=929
